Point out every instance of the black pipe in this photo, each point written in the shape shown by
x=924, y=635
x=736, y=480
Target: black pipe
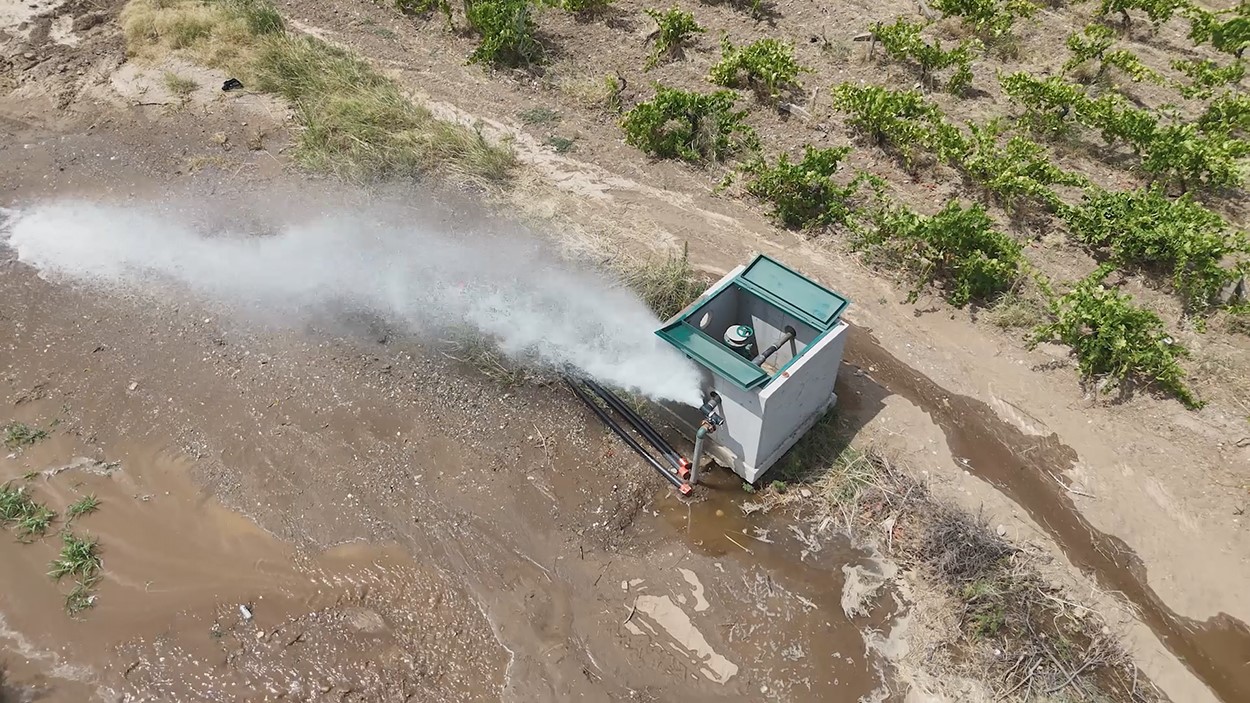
x=643, y=427
x=620, y=432
x=763, y=356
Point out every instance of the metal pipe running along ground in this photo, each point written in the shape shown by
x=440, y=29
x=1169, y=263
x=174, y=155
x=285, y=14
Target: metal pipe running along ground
x=644, y=428
x=612, y=424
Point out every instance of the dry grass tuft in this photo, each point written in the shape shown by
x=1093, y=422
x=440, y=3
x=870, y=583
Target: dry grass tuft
x=357, y=123
x=666, y=285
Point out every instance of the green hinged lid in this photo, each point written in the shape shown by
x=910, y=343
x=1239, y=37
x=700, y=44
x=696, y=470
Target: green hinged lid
x=774, y=283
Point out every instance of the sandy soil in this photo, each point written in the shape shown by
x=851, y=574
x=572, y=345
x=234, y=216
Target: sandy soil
x=447, y=490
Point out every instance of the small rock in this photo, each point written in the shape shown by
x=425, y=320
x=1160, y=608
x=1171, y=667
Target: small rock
x=1001, y=530
x=133, y=386
x=805, y=492
x=247, y=614
x=28, y=56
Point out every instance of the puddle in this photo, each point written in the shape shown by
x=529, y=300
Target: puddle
x=1020, y=465
x=792, y=589
x=198, y=603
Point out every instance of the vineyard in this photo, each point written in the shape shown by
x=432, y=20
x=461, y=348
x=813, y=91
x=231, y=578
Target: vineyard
x=1090, y=157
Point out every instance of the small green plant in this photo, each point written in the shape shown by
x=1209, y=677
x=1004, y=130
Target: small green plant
x=1206, y=75
x=902, y=41
x=778, y=487
x=747, y=488
x=1114, y=338
x=507, y=32
x=676, y=28
x=79, y=558
x=803, y=194
x=991, y=19
x=35, y=522
x=766, y=65
x=83, y=506
x=80, y=597
x=687, y=125
x=19, y=435
x=540, y=115
x=31, y=519
x=1094, y=44
x=959, y=247
x=1145, y=228
x=561, y=145
x=180, y=86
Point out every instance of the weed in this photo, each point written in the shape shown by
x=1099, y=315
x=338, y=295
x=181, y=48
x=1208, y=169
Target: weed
x=803, y=194
x=961, y=248
x=598, y=92
x=766, y=65
x=540, y=115
x=79, y=557
x=688, y=125
x=35, y=522
x=747, y=488
x=1114, y=338
x=667, y=285
x=675, y=28
x=80, y=597
x=180, y=86
x=260, y=16
x=483, y=354
x=778, y=487
x=507, y=32
x=561, y=145
x=19, y=435
x=83, y=506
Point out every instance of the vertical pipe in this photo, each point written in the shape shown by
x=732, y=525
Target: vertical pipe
x=698, y=453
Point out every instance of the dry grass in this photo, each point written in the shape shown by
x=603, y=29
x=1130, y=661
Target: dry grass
x=1017, y=310
x=1009, y=628
x=666, y=285
x=179, y=85
x=357, y=123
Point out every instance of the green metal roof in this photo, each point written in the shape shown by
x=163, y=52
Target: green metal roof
x=774, y=283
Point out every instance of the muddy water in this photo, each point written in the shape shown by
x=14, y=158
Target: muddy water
x=785, y=558
x=198, y=603
x=1025, y=468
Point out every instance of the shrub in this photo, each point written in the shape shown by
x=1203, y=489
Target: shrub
x=765, y=65
x=959, y=247
x=676, y=27
x=585, y=7
x=1145, y=228
x=1229, y=113
x=1113, y=337
x=1186, y=155
x=688, y=125
x=900, y=118
x=1159, y=11
x=1206, y=75
x=1230, y=36
x=989, y=18
x=803, y=194
x=1048, y=102
x=1093, y=45
x=506, y=28
x=667, y=285
x=902, y=41
x=1016, y=171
